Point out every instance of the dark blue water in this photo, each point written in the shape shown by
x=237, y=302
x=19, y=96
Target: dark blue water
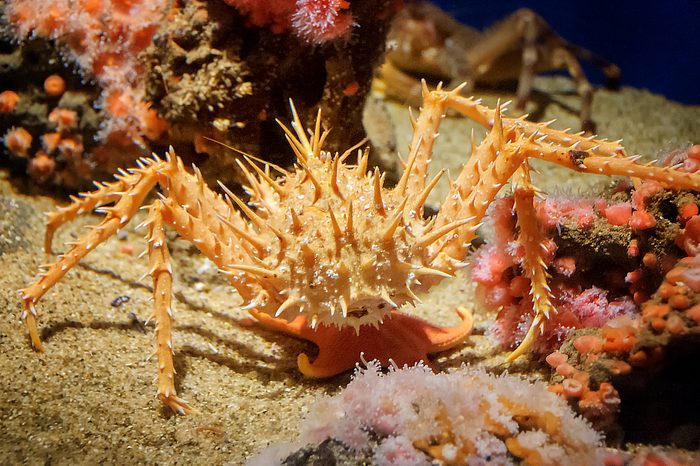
x=656, y=43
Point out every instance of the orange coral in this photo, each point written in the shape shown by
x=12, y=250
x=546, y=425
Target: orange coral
x=41, y=166
x=8, y=101
x=64, y=119
x=103, y=38
x=619, y=339
x=54, y=86
x=50, y=141
x=18, y=141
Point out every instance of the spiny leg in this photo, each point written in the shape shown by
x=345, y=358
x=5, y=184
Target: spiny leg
x=483, y=115
x=533, y=264
x=87, y=202
x=162, y=274
x=425, y=131
x=490, y=166
x=116, y=217
x=587, y=162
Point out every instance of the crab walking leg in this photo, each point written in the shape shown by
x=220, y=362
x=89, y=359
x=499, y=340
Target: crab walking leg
x=533, y=263
x=225, y=249
x=87, y=202
x=582, y=161
x=116, y=217
x=191, y=193
x=491, y=165
x=564, y=57
x=424, y=135
x=529, y=57
x=162, y=274
x=485, y=116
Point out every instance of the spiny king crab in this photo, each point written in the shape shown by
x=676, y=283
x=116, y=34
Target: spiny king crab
x=325, y=251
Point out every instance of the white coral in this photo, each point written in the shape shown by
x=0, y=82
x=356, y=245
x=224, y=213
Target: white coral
x=464, y=417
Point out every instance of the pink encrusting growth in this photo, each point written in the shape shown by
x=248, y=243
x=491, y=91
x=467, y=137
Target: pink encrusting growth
x=591, y=307
x=555, y=210
x=463, y=417
x=104, y=38
x=496, y=270
x=611, y=316
x=316, y=21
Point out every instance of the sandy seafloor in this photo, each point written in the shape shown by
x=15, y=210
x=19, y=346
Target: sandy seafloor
x=90, y=398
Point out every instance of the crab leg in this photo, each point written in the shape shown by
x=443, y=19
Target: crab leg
x=583, y=86
x=87, y=202
x=533, y=264
x=116, y=217
x=224, y=246
x=491, y=165
x=424, y=135
x=483, y=115
x=581, y=153
x=582, y=161
x=162, y=274
x=529, y=57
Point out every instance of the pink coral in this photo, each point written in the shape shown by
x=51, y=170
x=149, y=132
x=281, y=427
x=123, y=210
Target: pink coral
x=316, y=21
x=321, y=20
x=576, y=309
x=495, y=267
x=582, y=295
x=554, y=210
x=464, y=417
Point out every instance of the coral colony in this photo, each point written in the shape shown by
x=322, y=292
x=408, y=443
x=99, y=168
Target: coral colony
x=104, y=38
x=117, y=112
x=645, y=240
x=326, y=252
x=464, y=417
x=413, y=417
x=314, y=20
